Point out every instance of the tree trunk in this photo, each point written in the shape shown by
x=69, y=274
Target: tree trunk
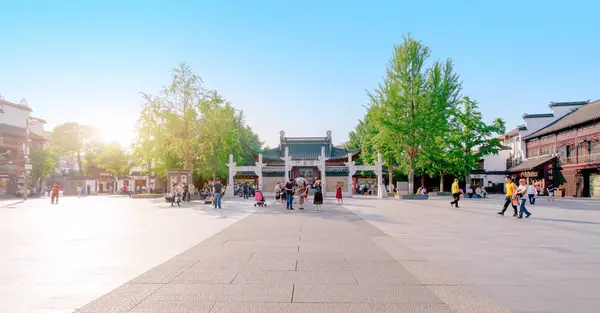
x=467, y=180
x=390, y=177
x=80, y=163
x=423, y=180
x=411, y=176
x=214, y=153
x=441, y=182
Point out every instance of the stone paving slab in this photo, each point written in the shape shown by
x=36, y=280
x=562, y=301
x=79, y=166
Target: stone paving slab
x=300, y=261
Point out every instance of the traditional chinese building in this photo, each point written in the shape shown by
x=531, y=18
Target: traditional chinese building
x=308, y=157
x=15, y=120
x=567, y=151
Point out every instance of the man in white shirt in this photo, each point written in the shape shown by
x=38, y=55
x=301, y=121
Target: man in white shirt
x=531, y=194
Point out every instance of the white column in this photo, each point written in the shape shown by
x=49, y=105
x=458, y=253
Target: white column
x=351, y=172
x=286, y=166
x=381, y=192
x=232, y=171
x=323, y=177
x=259, y=166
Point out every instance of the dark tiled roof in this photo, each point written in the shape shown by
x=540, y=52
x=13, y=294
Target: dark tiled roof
x=39, y=120
x=568, y=104
x=245, y=173
x=583, y=114
x=538, y=115
x=273, y=169
x=14, y=105
x=531, y=164
x=307, y=150
x=18, y=131
x=336, y=170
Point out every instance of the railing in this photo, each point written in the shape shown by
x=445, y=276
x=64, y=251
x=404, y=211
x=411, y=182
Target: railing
x=582, y=159
x=590, y=158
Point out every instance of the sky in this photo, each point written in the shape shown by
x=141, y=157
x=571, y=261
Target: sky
x=300, y=66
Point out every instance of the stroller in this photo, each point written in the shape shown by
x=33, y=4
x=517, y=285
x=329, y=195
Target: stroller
x=260, y=199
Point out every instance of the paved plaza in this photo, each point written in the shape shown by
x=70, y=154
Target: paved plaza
x=124, y=255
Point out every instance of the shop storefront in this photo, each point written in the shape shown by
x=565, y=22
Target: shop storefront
x=595, y=185
x=537, y=171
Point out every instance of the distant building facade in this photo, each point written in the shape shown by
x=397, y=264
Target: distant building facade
x=566, y=152
x=14, y=121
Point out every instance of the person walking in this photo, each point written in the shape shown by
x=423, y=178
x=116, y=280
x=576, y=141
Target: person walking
x=300, y=193
x=277, y=192
x=175, y=195
x=318, y=198
x=217, y=192
x=82, y=193
x=289, y=192
x=520, y=194
x=78, y=191
x=550, y=190
x=245, y=190
x=338, y=193
x=531, y=194
x=186, y=194
x=455, y=193
x=55, y=193
x=510, y=193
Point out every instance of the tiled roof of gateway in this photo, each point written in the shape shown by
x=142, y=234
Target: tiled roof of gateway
x=307, y=150
x=585, y=113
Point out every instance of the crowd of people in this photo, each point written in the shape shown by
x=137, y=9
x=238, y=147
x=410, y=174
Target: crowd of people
x=301, y=189
x=515, y=195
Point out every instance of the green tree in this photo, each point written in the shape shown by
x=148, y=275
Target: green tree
x=472, y=138
x=401, y=105
x=74, y=139
x=190, y=127
x=443, y=95
x=113, y=159
x=42, y=163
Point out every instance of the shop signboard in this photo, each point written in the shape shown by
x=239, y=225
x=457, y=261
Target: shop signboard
x=530, y=174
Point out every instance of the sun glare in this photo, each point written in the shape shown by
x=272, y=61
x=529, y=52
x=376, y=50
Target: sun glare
x=121, y=135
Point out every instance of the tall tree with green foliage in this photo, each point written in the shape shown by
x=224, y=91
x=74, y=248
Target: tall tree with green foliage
x=43, y=162
x=400, y=103
x=74, y=139
x=443, y=95
x=190, y=127
x=472, y=138
x=114, y=160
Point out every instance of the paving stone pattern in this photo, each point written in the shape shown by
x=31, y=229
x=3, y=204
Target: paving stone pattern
x=300, y=261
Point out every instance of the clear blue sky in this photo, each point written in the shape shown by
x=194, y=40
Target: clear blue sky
x=299, y=66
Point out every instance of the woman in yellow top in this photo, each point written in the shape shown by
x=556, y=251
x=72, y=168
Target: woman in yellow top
x=510, y=193
x=455, y=193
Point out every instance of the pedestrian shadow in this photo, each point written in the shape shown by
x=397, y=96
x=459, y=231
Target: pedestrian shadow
x=559, y=220
x=329, y=211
